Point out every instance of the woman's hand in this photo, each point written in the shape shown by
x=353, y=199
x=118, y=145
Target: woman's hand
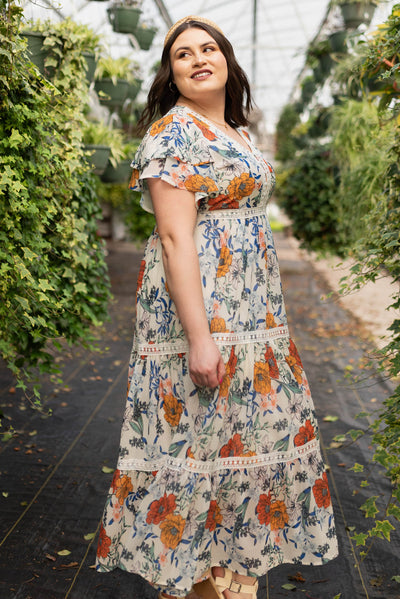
x=206, y=366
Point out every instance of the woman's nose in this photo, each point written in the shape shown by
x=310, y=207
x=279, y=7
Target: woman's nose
x=198, y=58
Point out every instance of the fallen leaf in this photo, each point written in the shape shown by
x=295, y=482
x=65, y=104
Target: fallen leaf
x=12, y=390
x=289, y=587
x=50, y=557
x=89, y=536
x=298, y=577
x=64, y=552
x=33, y=433
x=329, y=418
x=5, y=494
x=107, y=470
x=71, y=565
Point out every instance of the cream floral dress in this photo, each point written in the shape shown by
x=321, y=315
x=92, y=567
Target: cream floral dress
x=231, y=476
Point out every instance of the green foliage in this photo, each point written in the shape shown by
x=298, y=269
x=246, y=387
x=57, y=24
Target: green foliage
x=309, y=198
x=285, y=144
x=138, y=222
x=53, y=275
x=117, y=68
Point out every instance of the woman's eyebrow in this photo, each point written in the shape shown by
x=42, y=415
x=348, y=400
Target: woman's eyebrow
x=211, y=41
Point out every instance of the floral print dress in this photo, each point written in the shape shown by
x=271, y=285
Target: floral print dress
x=231, y=476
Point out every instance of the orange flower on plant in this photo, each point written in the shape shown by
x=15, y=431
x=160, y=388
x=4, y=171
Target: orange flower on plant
x=217, y=325
x=206, y=131
x=160, y=508
x=321, y=491
x=306, y=433
x=214, y=516
x=103, y=546
x=234, y=447
x=160, y=125
x=262, y=379
x=270, y=321
x=279, y=515
x=134, y=178
x=225, y=260
x=172, y=409
x=263, y=508
x=222, y=202
x=271, y=361
x=241, y=187
x=172, y=530
x=200, y=183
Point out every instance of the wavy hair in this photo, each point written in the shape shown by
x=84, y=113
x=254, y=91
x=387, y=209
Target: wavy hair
x=164, y=94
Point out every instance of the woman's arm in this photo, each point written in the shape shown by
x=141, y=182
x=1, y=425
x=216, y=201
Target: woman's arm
x=176, y=213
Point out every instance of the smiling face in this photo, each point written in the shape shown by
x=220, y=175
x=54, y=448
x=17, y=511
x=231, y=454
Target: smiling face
x=199, y=68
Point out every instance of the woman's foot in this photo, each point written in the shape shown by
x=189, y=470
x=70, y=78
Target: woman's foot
x=237, y=578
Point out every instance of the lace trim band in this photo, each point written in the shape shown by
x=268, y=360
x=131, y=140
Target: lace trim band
x=181, y=347
x=231, y=463
x=238, y=213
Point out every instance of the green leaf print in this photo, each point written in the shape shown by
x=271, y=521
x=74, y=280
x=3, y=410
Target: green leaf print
x=137, y=425
x=282, y=444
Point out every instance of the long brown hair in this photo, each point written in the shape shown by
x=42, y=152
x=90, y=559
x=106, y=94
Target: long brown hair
x=164, y=94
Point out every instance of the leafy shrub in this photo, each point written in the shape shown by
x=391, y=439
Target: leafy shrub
x=53, y=274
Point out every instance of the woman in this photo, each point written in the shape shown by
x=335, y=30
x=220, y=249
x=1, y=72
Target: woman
x=220, y=476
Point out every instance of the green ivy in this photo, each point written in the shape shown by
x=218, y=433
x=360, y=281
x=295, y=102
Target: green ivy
x=53, y=276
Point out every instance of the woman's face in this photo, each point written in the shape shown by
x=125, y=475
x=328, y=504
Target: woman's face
x=199, y=68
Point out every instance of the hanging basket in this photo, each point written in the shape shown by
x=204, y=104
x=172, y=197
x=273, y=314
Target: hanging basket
x=91, y=63
x=134, y=89
x=117, y=174
x=326, y=63
x=124, y=19
x=337, y=41
x=356, y=13
x=145, y=36
x=36, y=51
x=308, y=91
x=115, y=94
x=98, y=159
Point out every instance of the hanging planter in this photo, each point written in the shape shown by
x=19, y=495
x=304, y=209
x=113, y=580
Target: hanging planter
x=98, y=158
x=91, y=63
x=337, y=41
x=308, y=89
x=145, y=35
x=356, y=13
x=36, y=51
x=123, y=18
x=117, y=174
x=134, y=89
x=110, y=93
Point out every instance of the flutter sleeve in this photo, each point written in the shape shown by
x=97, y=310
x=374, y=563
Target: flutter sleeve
x=174, y=151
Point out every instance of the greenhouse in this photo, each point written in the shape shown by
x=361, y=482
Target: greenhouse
x=148, y=172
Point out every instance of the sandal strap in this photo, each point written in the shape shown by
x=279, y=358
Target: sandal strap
x=227, y=583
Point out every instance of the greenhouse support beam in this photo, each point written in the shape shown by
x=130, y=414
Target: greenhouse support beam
x=164, y=13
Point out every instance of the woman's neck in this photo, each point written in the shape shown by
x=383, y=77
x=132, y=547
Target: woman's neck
x=213, y=111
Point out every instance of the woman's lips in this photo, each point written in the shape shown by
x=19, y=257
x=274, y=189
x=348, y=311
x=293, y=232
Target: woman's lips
x=201, y=74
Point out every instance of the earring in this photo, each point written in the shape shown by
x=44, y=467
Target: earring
x=170, y=84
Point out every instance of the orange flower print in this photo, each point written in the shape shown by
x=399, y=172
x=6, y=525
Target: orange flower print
x=263, y=509
x=293, y=352
x=172, y=409
x=103, y=546
x=134, y=178
x=234, y=447
x=172, y=530
x=241, y=187
x=306, y=433
x=224, y=386
x=225, y=260
x=295, y=368
x=203, y=128
x=279, y=515
x=214, y=516
x=160, y=125
x=271, y=361
x=122, y=486
x=230, y=366
x=200, y=183
x=321, y=492
x=262, y=379
x=140, y=276
x=270, y=321
x=217, y=325
x=160, y=509
x=222, y=202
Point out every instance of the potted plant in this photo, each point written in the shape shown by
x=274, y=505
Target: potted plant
x=144, y=35
x=124, y=16
x=120, y=171
x=319, y=59
x=356, y=12
x=308, y=88
x=101, y=144
x=113, y=77
x=338, y=41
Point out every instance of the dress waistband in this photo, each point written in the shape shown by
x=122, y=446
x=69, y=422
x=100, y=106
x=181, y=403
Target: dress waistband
x=237, y=213
x=242, y=337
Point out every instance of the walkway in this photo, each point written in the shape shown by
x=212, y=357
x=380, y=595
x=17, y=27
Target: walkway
x=56, y=471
